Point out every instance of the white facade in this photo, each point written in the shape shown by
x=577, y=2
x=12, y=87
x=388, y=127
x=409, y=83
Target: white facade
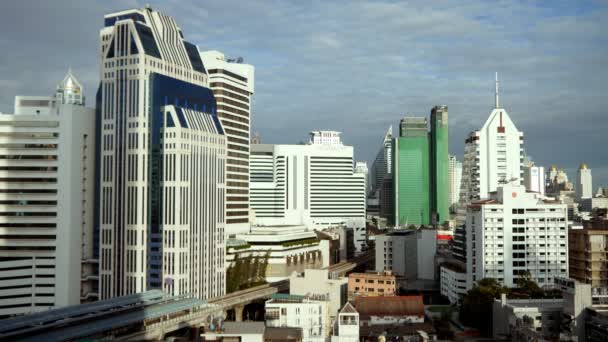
x=453, y=283
x=320, y=282
x=309, y=313
x=47, y=168
x=314, y=185
x=289, y=248
x=454, y=177
x=325, y=138
x=584, y=183
x=162, y=162
x=534, y=179
x=513, y=232
x=407, y=253
x=346, y=328
x=232, y=83
x=493, y=155
x=361, y=168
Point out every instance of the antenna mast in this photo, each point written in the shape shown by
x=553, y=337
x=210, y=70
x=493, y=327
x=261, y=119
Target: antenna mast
x=496, y=103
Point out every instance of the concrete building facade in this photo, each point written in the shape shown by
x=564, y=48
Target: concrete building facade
x=371, y=284
x=587, y=253
x=534, y=179
x=407, y=253
x=513, y=232
x=315, y=185
x=232, y=83
x=47, y=172
x=310, y=313
x=289, y=249
x=162, y=161
x=584, y=183
x=320, y=282
x=454, y=178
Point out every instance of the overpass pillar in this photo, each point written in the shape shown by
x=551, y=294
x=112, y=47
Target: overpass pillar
x=238, y=313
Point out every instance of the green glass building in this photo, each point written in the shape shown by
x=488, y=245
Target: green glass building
x=411, y=176
x=420, y=170
x=438, y=137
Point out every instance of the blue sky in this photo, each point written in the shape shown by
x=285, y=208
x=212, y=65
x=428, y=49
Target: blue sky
x=359, y=66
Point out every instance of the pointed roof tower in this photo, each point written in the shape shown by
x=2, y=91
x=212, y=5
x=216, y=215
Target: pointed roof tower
x=70, y=91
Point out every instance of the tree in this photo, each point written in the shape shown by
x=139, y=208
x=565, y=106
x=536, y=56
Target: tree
x=476, y=308
x=528, y=286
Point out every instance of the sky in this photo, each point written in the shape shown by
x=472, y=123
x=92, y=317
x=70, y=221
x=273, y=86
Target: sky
x=360, y=66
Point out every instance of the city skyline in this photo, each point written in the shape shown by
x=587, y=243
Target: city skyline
x=554, y=67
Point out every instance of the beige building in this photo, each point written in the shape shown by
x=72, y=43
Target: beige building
x=588, y=253
x=371, y=284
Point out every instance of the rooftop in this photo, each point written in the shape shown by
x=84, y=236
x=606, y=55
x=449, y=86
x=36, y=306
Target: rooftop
x=283, y=334
x=390, y=306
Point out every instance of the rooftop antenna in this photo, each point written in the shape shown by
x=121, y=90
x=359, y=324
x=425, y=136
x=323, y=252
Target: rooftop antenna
x=496, y=103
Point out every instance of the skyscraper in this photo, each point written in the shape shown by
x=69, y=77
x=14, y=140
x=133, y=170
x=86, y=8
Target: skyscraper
x=232, y=83
x=162, y=155
x=411, y=176
x=584, y=183
x=382, y=163
x=47, y=258
x=438, y=136
x=493, y=155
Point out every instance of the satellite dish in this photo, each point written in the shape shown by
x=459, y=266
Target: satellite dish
x=239, y=60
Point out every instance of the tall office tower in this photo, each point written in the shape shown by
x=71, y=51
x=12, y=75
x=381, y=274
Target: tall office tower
x=493, y=155
x=162, y=160
x=438, y=136
x=315, y=185
x=534, y=178
x=513, y=232
x=382, y=164
x=46, y=202
x=232, y=83
x=454, y=177
x=584, y=183
x=411, y=183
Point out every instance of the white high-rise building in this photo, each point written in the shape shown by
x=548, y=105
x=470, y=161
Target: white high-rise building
x=315, y=185
x=361, y=167
x=47, y=168
x=493, y=156
x=232, y=83
x=382, y=165
x=162, y=162
x=534, y=178
x=515, y=231
x=454, y=178
x=584, y=183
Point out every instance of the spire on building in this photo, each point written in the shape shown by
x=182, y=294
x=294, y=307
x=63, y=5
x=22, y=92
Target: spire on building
x=496, y=103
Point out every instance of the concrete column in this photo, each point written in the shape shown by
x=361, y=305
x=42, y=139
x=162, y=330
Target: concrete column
x=238, y=313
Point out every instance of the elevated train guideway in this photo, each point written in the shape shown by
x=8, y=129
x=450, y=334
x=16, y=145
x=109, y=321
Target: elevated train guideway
x=147, y=315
